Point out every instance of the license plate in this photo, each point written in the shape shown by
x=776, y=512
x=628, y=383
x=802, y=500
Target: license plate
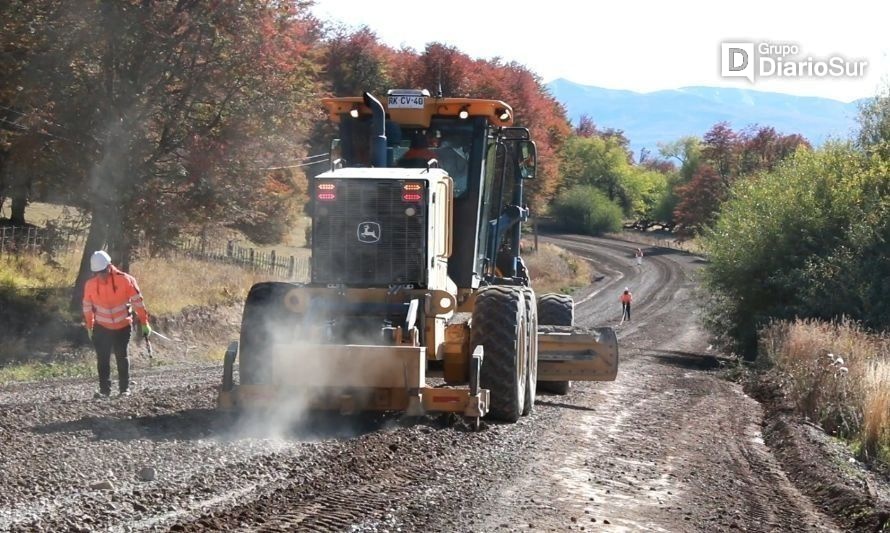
x=406, y=102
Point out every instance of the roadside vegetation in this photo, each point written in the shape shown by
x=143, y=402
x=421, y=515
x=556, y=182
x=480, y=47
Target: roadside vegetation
x=837, y=375
x=554, y=269
x=799, y=258
x=40, y=334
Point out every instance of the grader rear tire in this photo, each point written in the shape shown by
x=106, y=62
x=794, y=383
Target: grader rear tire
x=556, y=310
x=265, y=316
x=499, y=326
x=531, y=320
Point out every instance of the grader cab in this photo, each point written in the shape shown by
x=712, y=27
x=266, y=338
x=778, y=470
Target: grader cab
x=419, y=300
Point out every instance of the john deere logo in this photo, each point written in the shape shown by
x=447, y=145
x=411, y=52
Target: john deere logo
x=368, y=232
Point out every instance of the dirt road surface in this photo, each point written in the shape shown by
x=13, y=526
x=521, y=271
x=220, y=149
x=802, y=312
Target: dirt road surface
x=669, y=446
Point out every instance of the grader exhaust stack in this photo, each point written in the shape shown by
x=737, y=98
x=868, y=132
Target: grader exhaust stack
x=418, y=300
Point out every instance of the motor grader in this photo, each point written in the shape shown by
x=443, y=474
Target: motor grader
x=416, y=275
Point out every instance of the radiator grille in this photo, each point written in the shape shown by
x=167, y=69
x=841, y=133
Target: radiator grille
x=344, y=249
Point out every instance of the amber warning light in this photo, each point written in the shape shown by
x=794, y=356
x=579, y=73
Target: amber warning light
x=412, y=192
x=326, y=191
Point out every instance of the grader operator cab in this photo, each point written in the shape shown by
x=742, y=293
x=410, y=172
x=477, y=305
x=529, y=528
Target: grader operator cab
x=416, y=274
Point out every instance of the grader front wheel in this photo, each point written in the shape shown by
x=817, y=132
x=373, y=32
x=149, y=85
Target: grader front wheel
x=499, y=326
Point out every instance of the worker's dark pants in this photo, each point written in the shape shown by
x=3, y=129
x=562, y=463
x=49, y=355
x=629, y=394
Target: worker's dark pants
x=105, y=341
x=625, y=308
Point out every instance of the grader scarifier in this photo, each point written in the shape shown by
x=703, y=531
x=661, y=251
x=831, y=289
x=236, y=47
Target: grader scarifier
x=416, y=273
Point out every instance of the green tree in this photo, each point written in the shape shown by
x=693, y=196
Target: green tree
x=595, y=161
x=790, y=241
x=874, y=125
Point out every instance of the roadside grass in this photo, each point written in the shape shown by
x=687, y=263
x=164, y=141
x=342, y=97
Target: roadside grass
x=553, y=269
x=35, y=292
x=838, y=375
x=171, y=285
x=33, y=272
x=41, y=371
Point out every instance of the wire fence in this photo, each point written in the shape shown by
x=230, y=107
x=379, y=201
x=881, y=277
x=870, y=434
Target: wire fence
x=18, y=240
x=21, y=240
x=282, y=266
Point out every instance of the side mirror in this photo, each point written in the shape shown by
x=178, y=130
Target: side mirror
x=528, y=155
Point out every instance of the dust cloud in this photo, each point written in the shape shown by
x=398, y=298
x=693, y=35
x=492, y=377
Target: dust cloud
x=304, y=375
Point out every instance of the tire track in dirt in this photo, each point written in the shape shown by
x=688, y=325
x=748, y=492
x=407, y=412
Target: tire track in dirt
x=669, y=446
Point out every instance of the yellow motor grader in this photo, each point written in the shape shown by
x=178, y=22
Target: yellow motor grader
x=416, y=274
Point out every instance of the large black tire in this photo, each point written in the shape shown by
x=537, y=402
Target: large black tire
x=556, y=310
x=531, y=320
x=265, y=317
x=499, y=326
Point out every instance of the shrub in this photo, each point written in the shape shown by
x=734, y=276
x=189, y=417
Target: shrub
x=585, y=209
x=806, y=240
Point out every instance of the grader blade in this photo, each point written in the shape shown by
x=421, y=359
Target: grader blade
x=567, y=353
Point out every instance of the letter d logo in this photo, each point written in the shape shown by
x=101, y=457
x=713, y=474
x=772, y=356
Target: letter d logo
x=737, y=60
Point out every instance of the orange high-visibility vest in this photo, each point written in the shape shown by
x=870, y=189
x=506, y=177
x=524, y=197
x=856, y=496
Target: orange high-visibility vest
x=626, y=298
x=107, y=302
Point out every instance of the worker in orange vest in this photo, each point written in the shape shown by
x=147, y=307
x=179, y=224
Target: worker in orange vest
x=626, y=298
x=419, y=154
x=108, y=298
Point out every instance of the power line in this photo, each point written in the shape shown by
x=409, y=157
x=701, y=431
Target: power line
x=293, y=166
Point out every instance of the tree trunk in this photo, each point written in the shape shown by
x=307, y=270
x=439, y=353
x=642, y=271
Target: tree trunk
x=19, y=197
x=96, y=238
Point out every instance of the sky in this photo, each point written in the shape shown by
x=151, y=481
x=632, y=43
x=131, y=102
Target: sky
x=646, y=46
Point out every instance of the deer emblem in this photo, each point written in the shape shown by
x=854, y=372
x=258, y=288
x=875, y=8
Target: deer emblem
x=368, y=232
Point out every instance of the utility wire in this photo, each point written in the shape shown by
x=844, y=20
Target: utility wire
x=293, y=166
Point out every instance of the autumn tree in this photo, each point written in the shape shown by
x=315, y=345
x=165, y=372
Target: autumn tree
x=28, y=130
x=710, y=169
x=355, y=62
x=184, y=114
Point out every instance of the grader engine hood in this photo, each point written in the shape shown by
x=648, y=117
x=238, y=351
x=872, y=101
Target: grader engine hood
x=370, y=232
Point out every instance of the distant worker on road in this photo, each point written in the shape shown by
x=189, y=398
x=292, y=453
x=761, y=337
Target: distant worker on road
x=626, y=298
x=639, y=256
x=108, y=298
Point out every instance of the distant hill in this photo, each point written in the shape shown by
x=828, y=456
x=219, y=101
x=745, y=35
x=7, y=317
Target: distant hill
x=662, y=116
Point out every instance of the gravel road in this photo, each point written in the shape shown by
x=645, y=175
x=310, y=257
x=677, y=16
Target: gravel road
x=669, y=446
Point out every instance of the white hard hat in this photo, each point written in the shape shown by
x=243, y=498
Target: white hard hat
x=627, y=289
x=99, y=261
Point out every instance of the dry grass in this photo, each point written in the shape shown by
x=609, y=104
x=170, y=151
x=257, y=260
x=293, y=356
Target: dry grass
x=39, y=213
x=32, y=272
x=661, y=239
x=553, y=269
x=170, y=286
x=838, y=375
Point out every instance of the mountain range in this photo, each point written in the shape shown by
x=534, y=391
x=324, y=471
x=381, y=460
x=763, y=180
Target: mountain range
x=663, y=116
